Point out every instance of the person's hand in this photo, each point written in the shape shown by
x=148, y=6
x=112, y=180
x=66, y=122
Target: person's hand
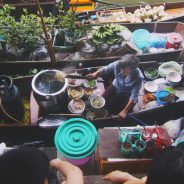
x=92, y=75
x=119, y=177
x=123, y=114
x=65, y=167
x=72, y=173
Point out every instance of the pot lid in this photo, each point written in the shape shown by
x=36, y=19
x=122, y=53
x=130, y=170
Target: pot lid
x=76, y=138
x=174, y=38
x=49, y=82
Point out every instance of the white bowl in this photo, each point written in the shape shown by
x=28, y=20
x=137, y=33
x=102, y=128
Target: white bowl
x=75, y=92
x=99, y=100
x=173, y=78
x=151, y=86
x=74, y=106
x=74, y=82
x=86, y=84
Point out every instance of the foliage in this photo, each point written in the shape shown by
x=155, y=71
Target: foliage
x=66, y=20
x=25, y=33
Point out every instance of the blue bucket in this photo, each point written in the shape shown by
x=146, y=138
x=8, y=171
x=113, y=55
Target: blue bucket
x=163, y=94
x=140, y=38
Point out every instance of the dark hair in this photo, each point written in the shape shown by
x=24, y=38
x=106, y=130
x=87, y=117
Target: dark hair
x=167, y=167
x=129, y=60
x=24, y=166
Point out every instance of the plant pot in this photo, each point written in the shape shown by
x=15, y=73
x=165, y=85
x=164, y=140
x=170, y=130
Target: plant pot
x=59, y=42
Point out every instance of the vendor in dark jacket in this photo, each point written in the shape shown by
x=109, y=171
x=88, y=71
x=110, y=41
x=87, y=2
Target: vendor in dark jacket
x=122, y=94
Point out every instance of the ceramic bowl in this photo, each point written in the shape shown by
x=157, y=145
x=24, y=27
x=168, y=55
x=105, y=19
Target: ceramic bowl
x=90, y=83
x=75, y=92
x=97, y=102
x=151, y=73
x=76, y=106
x=173, y=78
x=151, y=86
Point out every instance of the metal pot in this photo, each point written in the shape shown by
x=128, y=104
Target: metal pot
x=49, y=90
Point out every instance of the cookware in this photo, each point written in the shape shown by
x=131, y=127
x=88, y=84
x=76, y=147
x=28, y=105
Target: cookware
x=49, y=90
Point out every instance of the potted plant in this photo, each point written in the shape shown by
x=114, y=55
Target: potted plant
x=24, y=36
x=68, y=30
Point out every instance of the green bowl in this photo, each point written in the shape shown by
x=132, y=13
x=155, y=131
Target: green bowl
x=151, y=73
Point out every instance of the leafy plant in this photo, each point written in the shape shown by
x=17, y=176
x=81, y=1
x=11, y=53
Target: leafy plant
x=25, y=33
x=67, y=22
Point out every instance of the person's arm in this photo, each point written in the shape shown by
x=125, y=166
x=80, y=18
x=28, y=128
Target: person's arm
x=72, y=173
x=104, y=70
x=125, y=111
x=133, y=98
x=95, y=74
x=123, y=177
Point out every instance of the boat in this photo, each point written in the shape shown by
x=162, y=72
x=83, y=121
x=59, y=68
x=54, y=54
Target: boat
x=174, y=11
x=162, y=56
x=170, y=111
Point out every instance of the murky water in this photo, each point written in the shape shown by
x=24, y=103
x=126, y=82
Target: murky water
x=132, y=2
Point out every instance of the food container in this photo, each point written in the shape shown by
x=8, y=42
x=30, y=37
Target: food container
x=140, y=146
x=173, y=78
x=170, y=66
x=90, y=83
x=74, y=82
x=151, y=86
x=164, y=97
x=174, y=41
x=75, y=92
x=88, y=91
x=76, y=140
x=76, y=106
x=126, y=148
x=140, y=38
x=49, y=90
x=97, y=102
x=151, y=73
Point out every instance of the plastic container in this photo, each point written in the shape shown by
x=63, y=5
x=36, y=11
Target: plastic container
x=174, y=41
x=163, y=94
x=140, y=38
x=76, y=140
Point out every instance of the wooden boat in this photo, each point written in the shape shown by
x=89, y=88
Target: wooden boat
x=90, y=62
x=24, y=84
x=174, y=10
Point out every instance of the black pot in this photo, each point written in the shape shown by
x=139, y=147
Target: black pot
x=11, y=100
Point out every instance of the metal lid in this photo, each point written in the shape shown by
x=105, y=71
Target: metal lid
x=76, y=138
x=174, y=38
x=49, y=82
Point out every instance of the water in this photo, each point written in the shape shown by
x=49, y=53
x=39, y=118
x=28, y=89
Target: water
x=133, y=2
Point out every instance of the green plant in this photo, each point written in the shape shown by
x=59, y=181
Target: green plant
x=25, y=33
x=67, y=22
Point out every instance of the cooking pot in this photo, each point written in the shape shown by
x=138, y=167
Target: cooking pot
x=49, y=90
x=174, y=41
x=11, y=101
